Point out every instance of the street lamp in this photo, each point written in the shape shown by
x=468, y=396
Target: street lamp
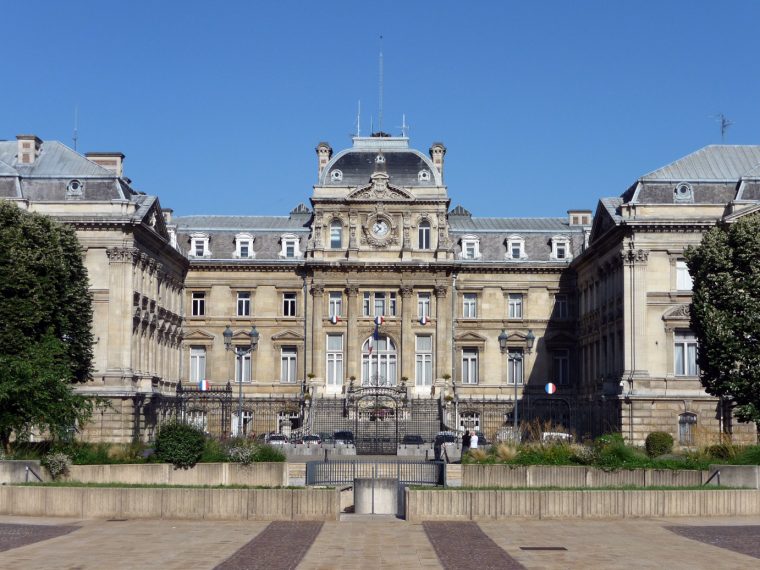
x=503, y=338
x=240, y=352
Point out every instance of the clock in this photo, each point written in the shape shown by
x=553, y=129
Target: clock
x=380, y=228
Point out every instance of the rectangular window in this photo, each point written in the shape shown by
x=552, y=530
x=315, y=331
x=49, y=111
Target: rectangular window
x=379, y=304
x=424, y=361
x=244, y=374
x=199, y=304
x=686, y=354
x=336, y=304
x=334, y=359
x=366, y=310
x=469, y=306
x=289, y=304
x=423, y=305
x=470, y=366
x=561, y=367
x=288, y=364
x=244, y=248
x=424, y=236
x=469, y=250
x=683, y=277
x=392, y=304
x=290, y=248
x=515, y=372
x=197, y=363
x=199, y=247
x=336, y=236
x=560, y=306
x=561, y=250
x=516, y=249
x=515, y=306
x=243, y=304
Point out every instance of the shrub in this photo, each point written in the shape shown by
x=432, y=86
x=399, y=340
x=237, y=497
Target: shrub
x=213, y=451
x=552, y=454
x=749, y=456
x=57, y=463
x=505, y=452
x=724, y=451
x=658, y=443
x=180, y=444
x=583, y=454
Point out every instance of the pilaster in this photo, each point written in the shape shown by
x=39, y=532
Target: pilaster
x=442, y=332
x=353, y=348
x=407, y=338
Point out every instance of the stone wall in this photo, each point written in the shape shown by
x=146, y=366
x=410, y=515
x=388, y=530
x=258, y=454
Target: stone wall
x=168, y=503
x=256, y=474
x=422, y=505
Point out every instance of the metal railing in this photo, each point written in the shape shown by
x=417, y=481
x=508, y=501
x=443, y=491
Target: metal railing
x=407, y=472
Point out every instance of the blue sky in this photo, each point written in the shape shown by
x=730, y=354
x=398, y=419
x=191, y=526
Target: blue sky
x=544, y=106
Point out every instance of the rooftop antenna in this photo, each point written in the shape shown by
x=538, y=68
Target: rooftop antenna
x=75, y=138
x=404, y=126
x=358, y=120
x=380, y=113
x=725, y=122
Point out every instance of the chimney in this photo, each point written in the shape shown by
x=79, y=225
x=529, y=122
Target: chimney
x=167, y=215
x=437, y=152
x=113, y=161
x=324, y=153
x=579, y=217
x=28, y=148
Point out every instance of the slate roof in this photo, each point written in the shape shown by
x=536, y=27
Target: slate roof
x=55, y=160
x=711, y=163
x=241, y=223
x=475, y=225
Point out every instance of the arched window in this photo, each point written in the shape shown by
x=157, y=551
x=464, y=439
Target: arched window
x=379, y=362
x=336, y=234
x=423, y=241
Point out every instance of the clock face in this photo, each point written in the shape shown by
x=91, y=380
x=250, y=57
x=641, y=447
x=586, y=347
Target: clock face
x=380, y=228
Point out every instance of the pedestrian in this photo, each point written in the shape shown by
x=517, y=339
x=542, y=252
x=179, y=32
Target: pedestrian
x=465, y=442
x=474, y=440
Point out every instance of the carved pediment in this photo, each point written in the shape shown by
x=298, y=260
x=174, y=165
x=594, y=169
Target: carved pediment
x=680, y=312
x=470, y=337
x=288, y=335
x=379, y=188
x=198, y=334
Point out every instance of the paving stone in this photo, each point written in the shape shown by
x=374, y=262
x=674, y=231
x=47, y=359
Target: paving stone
x=465, y=545
x=281, y=545
x=16, y=535
x=744, y=539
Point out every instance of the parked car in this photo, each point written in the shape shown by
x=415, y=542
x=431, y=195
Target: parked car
x=556, y=436
x=326, y=437
x=311, y=440
x=410, y=439
x=344, y=437
x=277, y=439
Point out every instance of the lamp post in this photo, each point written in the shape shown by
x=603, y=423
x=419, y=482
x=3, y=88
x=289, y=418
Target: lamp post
x=530, y=340
x=240, y=352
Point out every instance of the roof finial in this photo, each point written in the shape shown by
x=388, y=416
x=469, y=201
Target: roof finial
x=725, y=122
x=75, y=138
x=358, y=119
x=404, y=126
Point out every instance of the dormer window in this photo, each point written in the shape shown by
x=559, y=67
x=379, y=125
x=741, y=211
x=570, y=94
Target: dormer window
x=683, y=193
x=470, y=247
x=290, y=246
x=336, y=175
x=199, y=245
x=516, y=248
x=244, y=246
x=561, y=248
x=423, y=175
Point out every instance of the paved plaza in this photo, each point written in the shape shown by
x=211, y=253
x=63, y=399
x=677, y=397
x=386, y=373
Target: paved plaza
x=373, y=542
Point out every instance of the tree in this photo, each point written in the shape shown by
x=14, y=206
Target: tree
x=725, y=313
x=45, y=325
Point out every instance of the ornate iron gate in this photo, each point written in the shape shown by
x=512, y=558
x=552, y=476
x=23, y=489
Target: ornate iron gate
x=376, y=415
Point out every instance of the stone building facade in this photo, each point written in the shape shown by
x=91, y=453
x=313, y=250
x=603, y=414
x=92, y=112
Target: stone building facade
x=379, y=297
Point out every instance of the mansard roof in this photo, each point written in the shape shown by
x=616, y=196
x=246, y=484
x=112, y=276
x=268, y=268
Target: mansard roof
x=242, y=223
x=402, y=163
x=55, y=160
x=724, y=163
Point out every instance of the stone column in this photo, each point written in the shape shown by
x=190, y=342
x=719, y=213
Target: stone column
x=118, y=357
x=635, y=304
x=407, y=338
x=353, y=346
x=442, y=332
x=317, y=335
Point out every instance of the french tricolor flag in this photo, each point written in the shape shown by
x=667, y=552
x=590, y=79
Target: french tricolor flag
x=335, y=319
x=379, y=320
x=203, y=385
x=424, y=319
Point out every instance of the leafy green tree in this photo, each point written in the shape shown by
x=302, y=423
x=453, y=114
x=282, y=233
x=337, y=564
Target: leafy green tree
x=45, y=325
x=725, y=313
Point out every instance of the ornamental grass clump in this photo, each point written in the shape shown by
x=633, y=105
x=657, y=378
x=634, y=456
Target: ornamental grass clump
x=505, y=452
x=57, y=463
